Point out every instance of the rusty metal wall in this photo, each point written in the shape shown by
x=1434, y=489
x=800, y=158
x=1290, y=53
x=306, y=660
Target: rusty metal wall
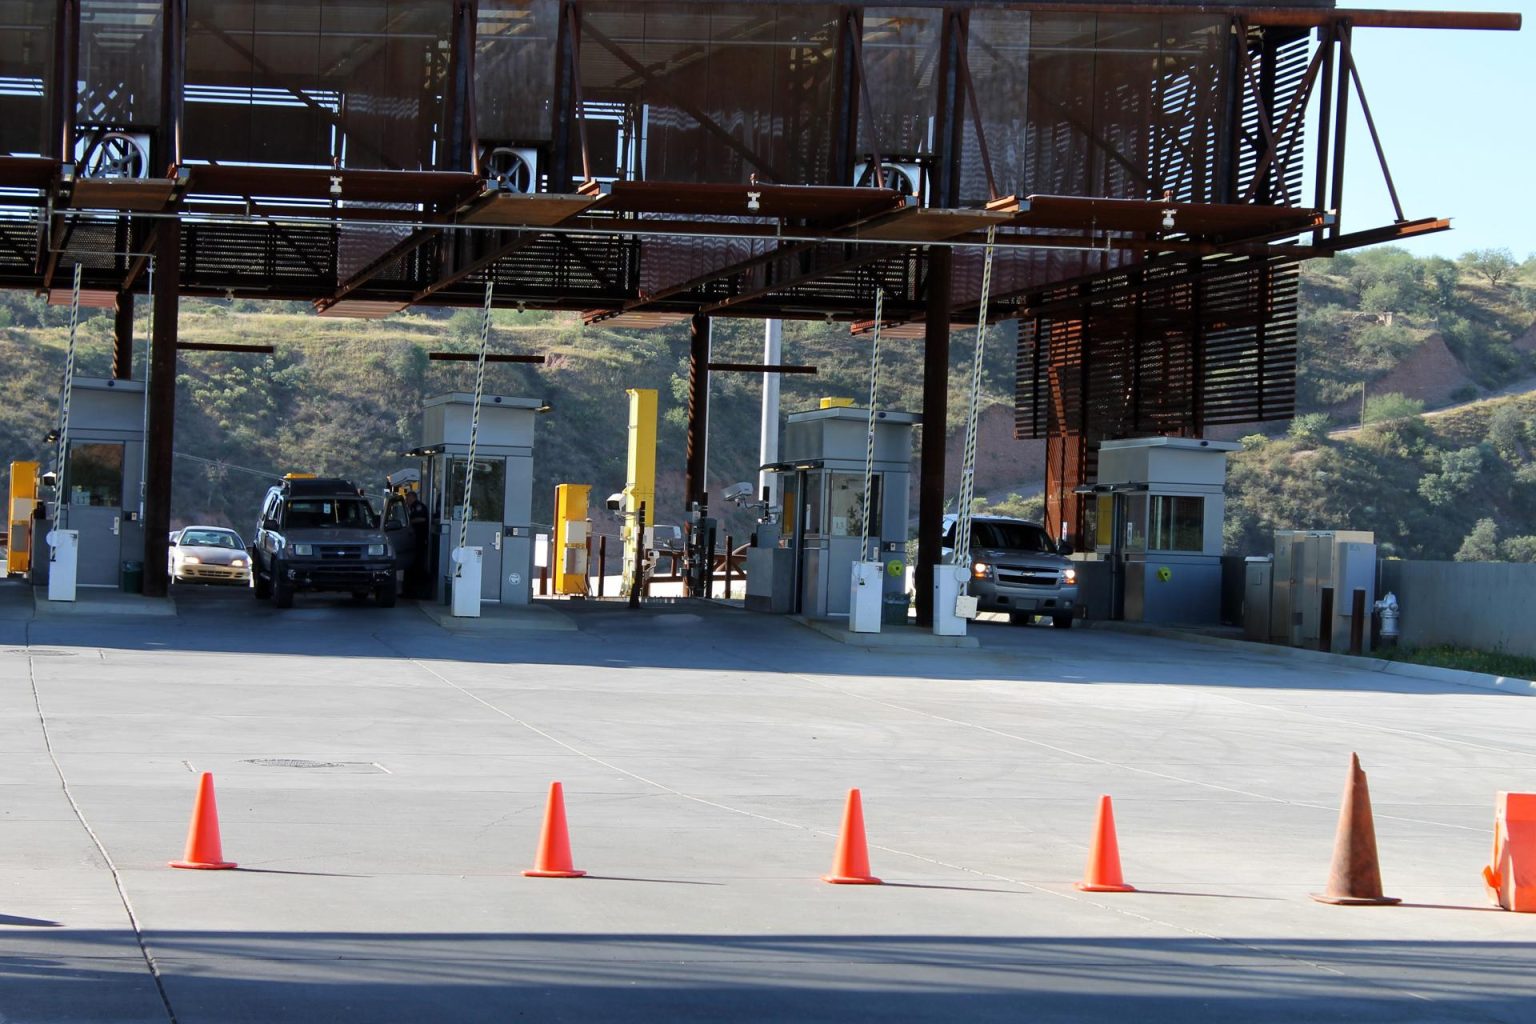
x=309, y=82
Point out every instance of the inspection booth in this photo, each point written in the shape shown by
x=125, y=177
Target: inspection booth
x=803, y=563
x=1157, y=514
x=102, y=485
x=501, y=491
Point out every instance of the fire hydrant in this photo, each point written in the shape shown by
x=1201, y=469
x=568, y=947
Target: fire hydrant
x=1387, y=609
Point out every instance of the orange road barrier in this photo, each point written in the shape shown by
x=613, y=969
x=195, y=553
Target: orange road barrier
x=554, y=857
x=1103, y=873
x=1354, y=878
x=850, y=864
x=1511, y=877
x=204, y=851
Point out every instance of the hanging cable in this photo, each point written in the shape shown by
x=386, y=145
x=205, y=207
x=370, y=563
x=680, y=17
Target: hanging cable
x=869, y=447
x=961, y=553
x=474, y=418
x=60, y=509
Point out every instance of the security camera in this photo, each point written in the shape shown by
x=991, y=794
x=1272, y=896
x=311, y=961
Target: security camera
x=615, y=502
x=737, y=493
x=50, y=479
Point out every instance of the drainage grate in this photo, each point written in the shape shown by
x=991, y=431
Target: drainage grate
x=335, y=766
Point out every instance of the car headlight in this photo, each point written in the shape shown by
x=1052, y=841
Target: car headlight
x=303, y=549
x=1069, y=576
x=378, y=549
x=190, y=560
x=981, y=571
x=238, y=563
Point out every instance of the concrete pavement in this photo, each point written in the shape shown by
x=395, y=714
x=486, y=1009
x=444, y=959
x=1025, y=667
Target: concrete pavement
x=381, y=782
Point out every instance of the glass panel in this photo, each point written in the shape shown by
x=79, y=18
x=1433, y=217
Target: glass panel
x=901, y=56
x=790, y=483
x=119, y=64
x=95, y=474
x=307, y=81
x=712, y=92
x=1103, y=526
x=845, y=505
x=321, y=513
x=515, y=47
x=26, y=75
x=1011, y=537
x=814, y=482
x=488, y=493
x=1178, y=523
x=1135, y=528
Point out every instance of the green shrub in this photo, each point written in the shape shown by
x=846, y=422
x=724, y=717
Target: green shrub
x=1392, y=406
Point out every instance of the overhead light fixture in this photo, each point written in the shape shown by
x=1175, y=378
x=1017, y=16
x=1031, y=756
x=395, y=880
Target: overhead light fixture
x=1168, y=219
x=754, y=200
x=336, y=185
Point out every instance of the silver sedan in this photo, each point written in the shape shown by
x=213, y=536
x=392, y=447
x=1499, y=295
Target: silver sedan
x=209, y=554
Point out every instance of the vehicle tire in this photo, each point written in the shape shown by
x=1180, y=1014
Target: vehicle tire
x=386, y=595
x=282, y=590
x=1021, y=618
x=1061, y=621
x=260, y=586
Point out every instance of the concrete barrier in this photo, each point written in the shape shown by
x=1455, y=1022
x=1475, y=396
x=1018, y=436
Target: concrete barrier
x=1483, y=605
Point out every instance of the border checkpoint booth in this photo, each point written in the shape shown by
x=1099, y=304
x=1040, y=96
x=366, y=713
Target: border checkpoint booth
x=501, y=498
x=103, y=487
x=802, y=564
x=1158, y=510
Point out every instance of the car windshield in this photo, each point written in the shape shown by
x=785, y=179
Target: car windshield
x=209, y=539
x=1011, y=537
x=320, y=513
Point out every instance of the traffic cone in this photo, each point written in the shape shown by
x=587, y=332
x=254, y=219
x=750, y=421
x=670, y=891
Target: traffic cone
x=1103, y=873
x=850, y=864
x=204, y=850
x=554, y=856
x=1354, y=878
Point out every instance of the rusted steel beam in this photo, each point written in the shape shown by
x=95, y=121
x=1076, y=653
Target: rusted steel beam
x=161, y=409
x=758, y=368
x=1370, y=124
x=1282, y=17
x=219, y=346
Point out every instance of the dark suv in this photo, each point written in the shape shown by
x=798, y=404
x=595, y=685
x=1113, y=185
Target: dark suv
x=320, y=534
x=1017, y=568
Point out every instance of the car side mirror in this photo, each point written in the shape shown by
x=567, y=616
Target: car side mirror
x=269, y=524
x=393, y=524
x=1065, y=546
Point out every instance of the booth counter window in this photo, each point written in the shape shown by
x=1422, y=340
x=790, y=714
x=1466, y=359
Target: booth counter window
x=1176, y=523
x=96, y=474
x=845, y=505
x=487, y=497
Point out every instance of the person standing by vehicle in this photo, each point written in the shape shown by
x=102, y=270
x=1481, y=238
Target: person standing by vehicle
x=416, y=515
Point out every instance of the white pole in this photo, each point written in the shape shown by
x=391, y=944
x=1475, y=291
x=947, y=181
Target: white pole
x=768, y=435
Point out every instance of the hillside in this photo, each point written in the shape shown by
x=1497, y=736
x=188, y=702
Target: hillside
x=344, y=397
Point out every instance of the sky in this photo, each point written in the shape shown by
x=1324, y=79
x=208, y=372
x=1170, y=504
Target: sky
x=1457, y=115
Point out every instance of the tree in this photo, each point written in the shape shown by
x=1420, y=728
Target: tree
x=1482, y=544
x=1494, y=264
x=1394, y=405
x=1309, y=428
x=1519, y=549
x=1506, y=431
x=1458, y=471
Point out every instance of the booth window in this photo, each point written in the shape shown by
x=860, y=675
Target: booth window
x=845, y=505
x=96, y=474
x=1135, y=522
x=1177, y=523
x=487, y=495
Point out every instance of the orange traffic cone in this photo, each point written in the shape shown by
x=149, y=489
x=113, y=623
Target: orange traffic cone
x=850, y=864
x=1103, y=874
x=203, y=847
x=1354, y=878
x=554, y=857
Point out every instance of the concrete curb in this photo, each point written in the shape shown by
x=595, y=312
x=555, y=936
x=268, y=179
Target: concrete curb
x=495, y=619
x=110, y=603
x=909, y=638
x=1455, y=676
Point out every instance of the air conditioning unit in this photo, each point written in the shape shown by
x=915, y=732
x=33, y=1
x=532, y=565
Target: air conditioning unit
x=104, y=152
x=907, y=175
x=512, y=168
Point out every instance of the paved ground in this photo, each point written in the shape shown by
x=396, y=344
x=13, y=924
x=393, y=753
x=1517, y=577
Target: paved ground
x=705, y=754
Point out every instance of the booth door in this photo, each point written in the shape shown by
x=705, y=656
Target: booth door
x=487, y=504
x=94, y=492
